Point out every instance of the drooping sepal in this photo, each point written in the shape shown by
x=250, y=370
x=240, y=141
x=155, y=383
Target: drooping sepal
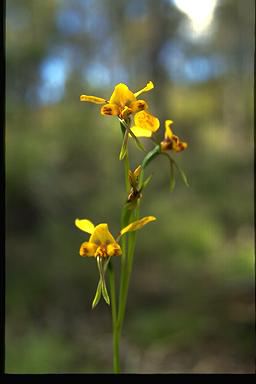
x=102, y=288
x=97, y=295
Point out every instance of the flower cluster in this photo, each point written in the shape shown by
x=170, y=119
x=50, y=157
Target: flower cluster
x=136, y=121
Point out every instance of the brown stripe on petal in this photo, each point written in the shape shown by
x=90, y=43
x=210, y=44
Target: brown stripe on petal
x=87, y=249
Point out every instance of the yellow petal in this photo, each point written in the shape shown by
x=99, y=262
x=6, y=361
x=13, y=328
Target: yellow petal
x=101, y=235
x=88, y=249
x=114, y=250
x=92, y=99
x=179, y=146
x=137, y=224
x=138, y=105
x=183, y=145
x=122, y=96
x=146, y=121
x=148, y=87
x=140, y=132
x=168, y=131
x=85, y=225
x=110, y=110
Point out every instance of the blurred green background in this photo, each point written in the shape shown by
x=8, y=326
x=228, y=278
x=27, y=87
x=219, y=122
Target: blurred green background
x=191, y=299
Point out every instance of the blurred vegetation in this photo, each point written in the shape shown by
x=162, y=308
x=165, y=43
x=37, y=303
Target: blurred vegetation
x=191, y=298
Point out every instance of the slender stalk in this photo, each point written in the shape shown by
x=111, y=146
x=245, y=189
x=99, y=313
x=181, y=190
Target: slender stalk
x=116, y=359
x=127, y=254
x=127, y=273
x=125, y=217
x=126, y=172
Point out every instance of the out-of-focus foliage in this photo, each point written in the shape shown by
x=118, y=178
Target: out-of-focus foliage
x=190, y=305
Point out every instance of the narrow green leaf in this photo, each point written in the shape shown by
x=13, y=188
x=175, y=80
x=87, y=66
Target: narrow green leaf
x=182, y=174
x=97, y=295
x=151, y=155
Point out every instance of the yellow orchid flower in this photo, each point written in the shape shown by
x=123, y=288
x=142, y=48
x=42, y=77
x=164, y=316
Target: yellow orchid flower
x=172, y=141
x=123, y=103
x=101, y=243
x=103, y=246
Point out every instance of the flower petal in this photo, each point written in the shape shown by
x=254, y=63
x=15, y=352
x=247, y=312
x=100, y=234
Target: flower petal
x=110, y=110
x=138, y=105
x=168, y=132
x=114, y=250
x=88, y=249
x=92, y=99
x=137, y=224
x=141, y=132
x=146, y=121
x=148, y=87
x=101, y=235
x=179, y=146
x=85, y=225
x=122, y=96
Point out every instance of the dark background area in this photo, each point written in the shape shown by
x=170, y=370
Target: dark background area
x=191, y=299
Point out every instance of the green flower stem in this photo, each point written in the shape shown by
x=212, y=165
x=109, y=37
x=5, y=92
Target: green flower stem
x=112, y=290
x=116, y=359
x=126, y=273
x=128, y=243
x=126, y=169
x=128, y=268
x=126, y=159
x=125, y=218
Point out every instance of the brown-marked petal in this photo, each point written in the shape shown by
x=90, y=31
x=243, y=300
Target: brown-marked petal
x=114, y=250
x=88, y=249
x=101, y=235
x=110, y=110
x=138, y=105
x=145, y=120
